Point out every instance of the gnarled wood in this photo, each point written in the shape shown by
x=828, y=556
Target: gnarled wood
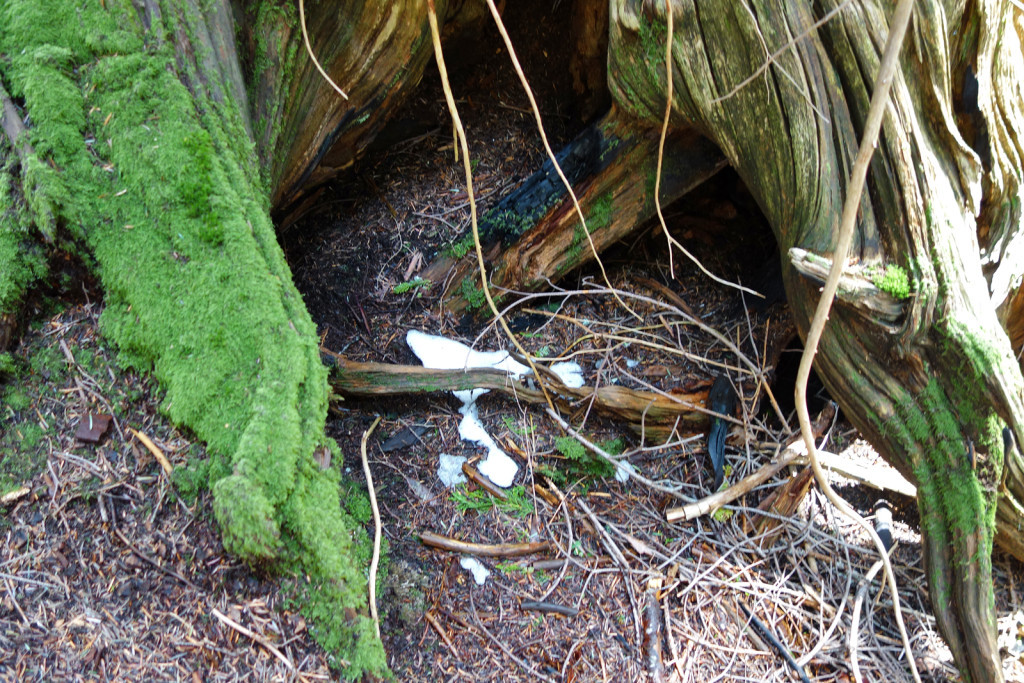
x=943, y=380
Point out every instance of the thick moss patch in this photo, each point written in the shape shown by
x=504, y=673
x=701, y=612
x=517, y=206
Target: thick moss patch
x=162, y=184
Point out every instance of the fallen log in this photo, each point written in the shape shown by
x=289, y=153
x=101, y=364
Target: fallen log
x=534, y=236
x=653, y=415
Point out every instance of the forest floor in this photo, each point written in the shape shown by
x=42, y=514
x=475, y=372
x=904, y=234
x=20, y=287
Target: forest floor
x=110, y=572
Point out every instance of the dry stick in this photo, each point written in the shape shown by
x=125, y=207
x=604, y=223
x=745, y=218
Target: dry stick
x=740, y=488
x=432, y=620
x=862, y=592
x=672, y=241
x=154, y=449
x=435, y=36
x=309, y=49
x=376, y=526
x=855, y=186
x=547, y=148
x=433, y=540
x=228, y=621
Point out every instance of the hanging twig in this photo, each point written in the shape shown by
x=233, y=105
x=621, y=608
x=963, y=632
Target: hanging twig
x=672, y=241
x=547, y=148
x=309, y=49
x=449, y=98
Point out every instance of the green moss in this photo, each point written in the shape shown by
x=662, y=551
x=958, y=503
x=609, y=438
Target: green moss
x=16, y=399
x=600, y=214
x=460, y=248
x=8, y=366
x=893, y=281
x=31, y=434
x=22, y=258
x=191, y=479
x=247, y=521
x=472, y=293
x=163, y=185
x=48, y=361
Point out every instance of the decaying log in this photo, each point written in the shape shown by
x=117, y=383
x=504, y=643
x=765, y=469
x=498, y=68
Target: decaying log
x=653, y=415
x=534, y=236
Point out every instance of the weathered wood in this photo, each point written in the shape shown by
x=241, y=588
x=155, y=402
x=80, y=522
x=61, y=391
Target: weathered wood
x=654, y=415
x=940, y=378
x=375, y=51
x=534, y=236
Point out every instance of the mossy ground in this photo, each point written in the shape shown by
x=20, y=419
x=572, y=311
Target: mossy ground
x=161, y=184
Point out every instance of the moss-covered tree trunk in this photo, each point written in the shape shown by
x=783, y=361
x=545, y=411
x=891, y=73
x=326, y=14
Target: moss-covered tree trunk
x=933, y=381
x=135, y=136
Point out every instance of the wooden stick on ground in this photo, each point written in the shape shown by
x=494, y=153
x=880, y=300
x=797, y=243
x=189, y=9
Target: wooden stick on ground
x=228, y=621
x=154, y=449
x=376, y=526
x=483, y=550
x=745, y=485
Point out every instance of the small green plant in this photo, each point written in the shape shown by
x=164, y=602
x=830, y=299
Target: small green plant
x=517, y=504
x=893, y=281
x=577, y=549
x=473, y=295
x=415, y=284
x=722, y=514
x=543, y=352
x=516, y=428
x=581, y=462
x=460, y=248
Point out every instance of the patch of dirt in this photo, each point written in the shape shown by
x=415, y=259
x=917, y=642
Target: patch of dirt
x=106, y=572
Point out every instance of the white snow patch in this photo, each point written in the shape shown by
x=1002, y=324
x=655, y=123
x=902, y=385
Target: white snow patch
x=449, y=469
x=570, y=373
x=630, y=363
x=480, y=572
x=447, y=354
x=624, y=470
